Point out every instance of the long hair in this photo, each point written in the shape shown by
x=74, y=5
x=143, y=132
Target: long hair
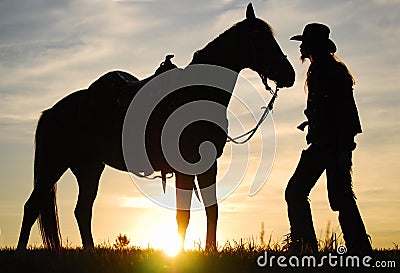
x=323, y=61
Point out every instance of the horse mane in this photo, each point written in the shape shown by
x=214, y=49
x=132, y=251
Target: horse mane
x=229, y=35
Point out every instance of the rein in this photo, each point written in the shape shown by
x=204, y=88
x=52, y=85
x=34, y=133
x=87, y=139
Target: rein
x=249, y=134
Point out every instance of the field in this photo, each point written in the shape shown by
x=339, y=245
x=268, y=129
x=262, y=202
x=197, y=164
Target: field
x=233, y=257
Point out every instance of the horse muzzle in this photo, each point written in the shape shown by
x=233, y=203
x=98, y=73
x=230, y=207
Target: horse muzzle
x=286, y=76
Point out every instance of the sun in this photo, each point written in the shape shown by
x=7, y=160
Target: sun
x=168, y=240
x=172, y=245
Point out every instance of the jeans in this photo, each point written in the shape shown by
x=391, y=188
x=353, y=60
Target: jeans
x=337, y=164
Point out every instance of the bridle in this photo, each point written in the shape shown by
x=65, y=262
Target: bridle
x=255, y=60
x=267, y=109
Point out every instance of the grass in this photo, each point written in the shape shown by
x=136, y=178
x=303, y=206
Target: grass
x=232, y=257
x=235, y=256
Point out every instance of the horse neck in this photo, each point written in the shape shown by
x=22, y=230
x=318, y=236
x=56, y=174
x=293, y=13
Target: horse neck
x=226, y=72
x=222, y=59
x=227, y=51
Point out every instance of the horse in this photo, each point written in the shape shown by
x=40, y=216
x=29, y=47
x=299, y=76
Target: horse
x=82, y=132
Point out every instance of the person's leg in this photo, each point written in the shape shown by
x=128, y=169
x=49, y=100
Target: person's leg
x=342, y=199
x=309, y=169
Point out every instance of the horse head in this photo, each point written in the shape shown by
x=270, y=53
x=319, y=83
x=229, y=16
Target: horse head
x=263, y=52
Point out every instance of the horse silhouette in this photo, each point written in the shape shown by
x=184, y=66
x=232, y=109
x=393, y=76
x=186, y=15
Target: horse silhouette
x=82, y=132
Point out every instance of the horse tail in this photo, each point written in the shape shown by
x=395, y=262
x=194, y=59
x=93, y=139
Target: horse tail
x=48, y=212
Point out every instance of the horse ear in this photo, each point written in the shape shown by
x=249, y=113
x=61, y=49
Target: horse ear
x=250, y=12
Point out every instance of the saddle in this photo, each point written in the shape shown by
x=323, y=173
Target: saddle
x=103, y=110
x=108, y=98
x=104, y=105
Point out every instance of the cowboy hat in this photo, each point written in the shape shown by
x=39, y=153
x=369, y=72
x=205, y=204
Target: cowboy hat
x=316, y=35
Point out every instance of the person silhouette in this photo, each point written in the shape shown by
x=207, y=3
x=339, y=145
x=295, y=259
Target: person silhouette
x=333, y=122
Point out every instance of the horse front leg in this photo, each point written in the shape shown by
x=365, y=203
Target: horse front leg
x=184, y=189
x=207, y=182
x=88, y=176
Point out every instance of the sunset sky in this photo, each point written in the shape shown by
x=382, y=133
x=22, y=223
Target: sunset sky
x=50, y=48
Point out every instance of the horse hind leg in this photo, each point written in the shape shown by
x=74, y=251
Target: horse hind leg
x=207, y=182
x=88, y=176
x=184, y=190
x=42, y=204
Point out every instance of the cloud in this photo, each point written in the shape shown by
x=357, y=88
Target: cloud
x=51, y=48
x=386, y=2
